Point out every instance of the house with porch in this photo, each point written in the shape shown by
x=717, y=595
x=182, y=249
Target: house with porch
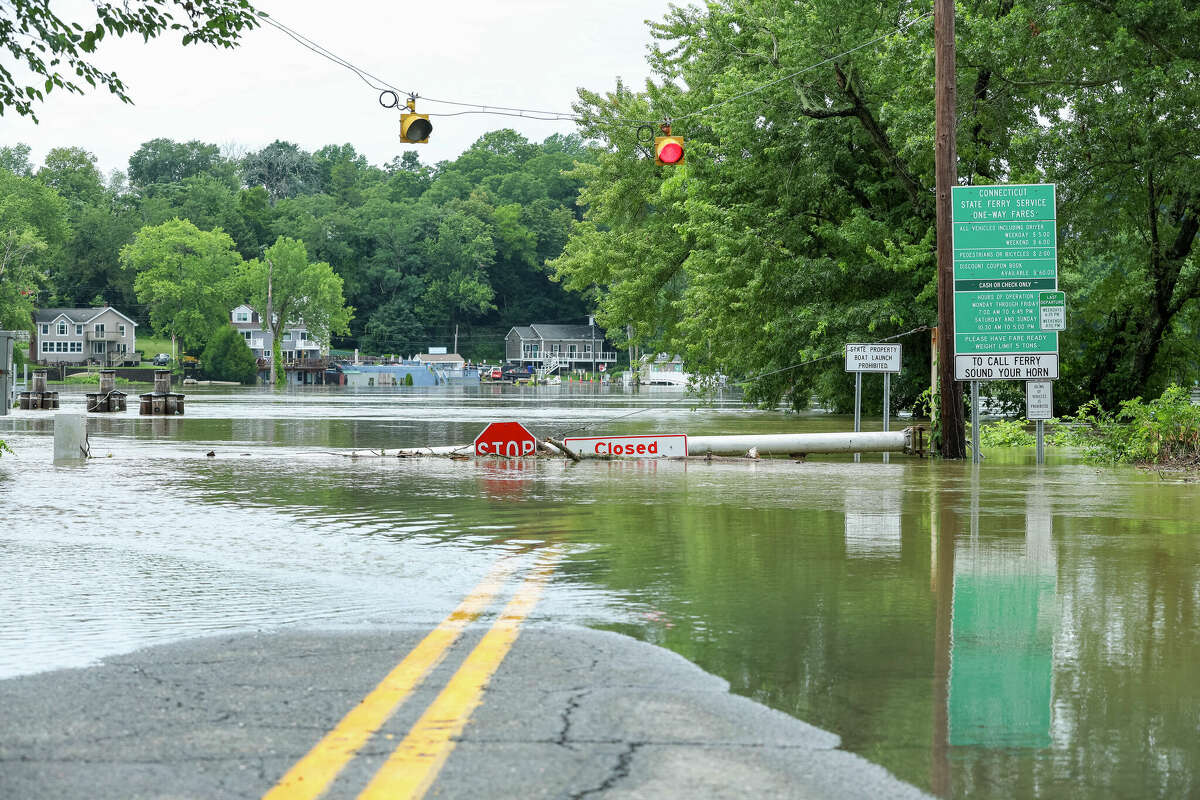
x=296, y=343
x=550, y=348
x=81, y=336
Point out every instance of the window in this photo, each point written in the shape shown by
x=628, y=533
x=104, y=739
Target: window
x=287, y=334
x=98, y=348
x=555, y=349
x=79, y=330
x=62, y=329
x=47, y=347
x=303, y=336
x=76, y=347
x=587, y=348
x=571, y=350
x=121, y=330
x=99, y=331
x=246, y=335
x=241, y=316
x=45, y=330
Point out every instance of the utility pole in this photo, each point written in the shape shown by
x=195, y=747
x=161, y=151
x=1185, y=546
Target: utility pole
x=270, y=320
x=953, y=433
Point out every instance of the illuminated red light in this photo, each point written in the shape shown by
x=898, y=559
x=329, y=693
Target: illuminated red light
x=671, y=153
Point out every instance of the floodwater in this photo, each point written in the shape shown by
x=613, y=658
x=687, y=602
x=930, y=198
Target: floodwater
x=1005, y=631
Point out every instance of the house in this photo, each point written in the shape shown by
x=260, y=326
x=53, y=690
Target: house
x=444, y=361
x=552, y=347
x=295, y=344
x=83, y=336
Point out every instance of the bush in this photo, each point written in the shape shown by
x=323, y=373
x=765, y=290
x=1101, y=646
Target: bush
x=228, y=358
x=1006, y=433
x=1162, y=432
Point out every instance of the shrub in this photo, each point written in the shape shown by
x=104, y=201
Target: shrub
x=1006, y=433
x=228, y=358
x=1165, y=431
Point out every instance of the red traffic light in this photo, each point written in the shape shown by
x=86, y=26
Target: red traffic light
x=668, y=150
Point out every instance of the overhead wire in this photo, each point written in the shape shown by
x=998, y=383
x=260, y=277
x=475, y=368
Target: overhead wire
x=565, y=116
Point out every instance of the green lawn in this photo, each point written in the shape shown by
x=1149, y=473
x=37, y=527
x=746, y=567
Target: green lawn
x=151, y=346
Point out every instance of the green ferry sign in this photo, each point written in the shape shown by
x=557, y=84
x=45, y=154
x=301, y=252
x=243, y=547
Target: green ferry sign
x=1005, y=258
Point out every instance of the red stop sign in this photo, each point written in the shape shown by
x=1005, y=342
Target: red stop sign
x=505, y=439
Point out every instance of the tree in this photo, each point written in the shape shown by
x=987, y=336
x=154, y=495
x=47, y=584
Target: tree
x=228, y=358
x=71, y=171
x=33, y=230
x=15, y=159
x=283, y=169
x=285, y=289
x=186, y=277
x=167, y=161
x=41, y=41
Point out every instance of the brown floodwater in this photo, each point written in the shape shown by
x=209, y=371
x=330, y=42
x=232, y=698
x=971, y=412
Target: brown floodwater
x=1001, y=631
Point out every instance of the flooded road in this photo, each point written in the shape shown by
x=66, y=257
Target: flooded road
x=998, y=632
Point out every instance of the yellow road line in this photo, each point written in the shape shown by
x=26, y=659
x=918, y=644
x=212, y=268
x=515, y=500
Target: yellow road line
x=410, y=770
x=312, y=774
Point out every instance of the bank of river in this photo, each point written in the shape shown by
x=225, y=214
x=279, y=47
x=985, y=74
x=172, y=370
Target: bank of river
x=998, y=632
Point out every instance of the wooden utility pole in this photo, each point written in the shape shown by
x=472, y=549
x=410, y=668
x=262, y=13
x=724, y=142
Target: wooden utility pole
x=953, y=433
x=270, y=320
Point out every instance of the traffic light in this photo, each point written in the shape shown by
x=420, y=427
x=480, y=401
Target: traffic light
x=414, y=128
x=668, y=149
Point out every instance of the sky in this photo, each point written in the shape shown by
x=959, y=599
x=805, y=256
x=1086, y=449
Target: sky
x=520, y=53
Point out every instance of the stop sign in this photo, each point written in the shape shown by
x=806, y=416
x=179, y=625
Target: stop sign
x=505, y=439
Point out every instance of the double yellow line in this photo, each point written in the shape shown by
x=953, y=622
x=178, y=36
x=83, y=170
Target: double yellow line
x=411, y=768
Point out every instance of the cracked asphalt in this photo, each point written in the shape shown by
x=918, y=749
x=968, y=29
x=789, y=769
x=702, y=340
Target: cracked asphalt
x=571, y=713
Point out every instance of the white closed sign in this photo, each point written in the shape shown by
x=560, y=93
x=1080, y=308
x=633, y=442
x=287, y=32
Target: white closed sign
x=1039, y=400
x=872, y=358
x=663, y=445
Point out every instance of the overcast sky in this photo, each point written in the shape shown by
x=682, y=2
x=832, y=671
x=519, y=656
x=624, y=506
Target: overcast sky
x=524, y=53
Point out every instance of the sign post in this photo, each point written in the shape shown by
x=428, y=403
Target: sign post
x=1039, y=405
x=862, y=358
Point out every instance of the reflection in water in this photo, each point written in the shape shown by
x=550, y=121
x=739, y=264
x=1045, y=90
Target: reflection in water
x=1008, y=632
x=1003, y=634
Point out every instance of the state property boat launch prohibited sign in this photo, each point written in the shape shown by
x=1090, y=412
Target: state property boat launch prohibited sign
x=1005, y=260
x=872, y=358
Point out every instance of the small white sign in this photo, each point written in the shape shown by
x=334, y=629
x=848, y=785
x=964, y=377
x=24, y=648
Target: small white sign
x=1039, y=400
x=872, y=358
x=1053, y=318
x=663, y=445
x=1006, y=367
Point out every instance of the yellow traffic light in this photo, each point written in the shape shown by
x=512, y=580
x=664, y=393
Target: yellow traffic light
x=668, y=150
x=414, y=128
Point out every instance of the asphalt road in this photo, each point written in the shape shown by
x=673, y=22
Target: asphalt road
x=569, y=713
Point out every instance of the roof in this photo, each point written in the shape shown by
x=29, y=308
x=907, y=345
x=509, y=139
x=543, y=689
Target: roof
x=439, y=357
x=79, y=316
x=544, y=331
x=524, y=332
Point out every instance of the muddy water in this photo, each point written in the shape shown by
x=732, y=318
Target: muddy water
x=994, y=632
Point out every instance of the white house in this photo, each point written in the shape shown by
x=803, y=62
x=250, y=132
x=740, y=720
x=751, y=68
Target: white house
x=83, y=335
x=295, y=344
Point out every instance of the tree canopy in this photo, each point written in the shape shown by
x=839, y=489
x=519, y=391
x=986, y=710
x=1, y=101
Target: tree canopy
x=55, y=52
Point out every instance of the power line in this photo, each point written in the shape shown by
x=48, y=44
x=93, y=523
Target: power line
x=555, y=116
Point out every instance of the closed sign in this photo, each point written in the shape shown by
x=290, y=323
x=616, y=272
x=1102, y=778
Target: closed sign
x=664, y=445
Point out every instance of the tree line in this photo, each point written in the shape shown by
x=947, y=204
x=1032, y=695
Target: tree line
x=418, y=251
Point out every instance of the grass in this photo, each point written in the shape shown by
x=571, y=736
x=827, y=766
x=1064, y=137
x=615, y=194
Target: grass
x=152, y=346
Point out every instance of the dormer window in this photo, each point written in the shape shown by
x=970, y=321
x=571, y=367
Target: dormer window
x=62, y=329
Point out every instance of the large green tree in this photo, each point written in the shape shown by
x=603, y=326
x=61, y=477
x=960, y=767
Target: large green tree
x=56, y=51
x=286, y=289
x=33, y=231
x=186, y=277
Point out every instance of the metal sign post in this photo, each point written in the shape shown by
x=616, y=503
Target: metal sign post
x=857, y=408
x=1039, y=405
x=887, y=405
x=862, y=358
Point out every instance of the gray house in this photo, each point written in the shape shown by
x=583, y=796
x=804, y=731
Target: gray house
x=296, y=344
x=83, y=335
x=553, y=347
